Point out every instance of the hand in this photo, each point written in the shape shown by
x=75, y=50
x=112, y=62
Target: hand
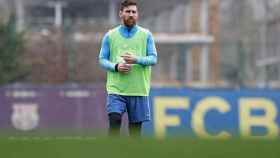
x=124, y=68
x=129, y=58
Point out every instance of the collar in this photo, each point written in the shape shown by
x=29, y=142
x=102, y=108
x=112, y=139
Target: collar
x=128, y=31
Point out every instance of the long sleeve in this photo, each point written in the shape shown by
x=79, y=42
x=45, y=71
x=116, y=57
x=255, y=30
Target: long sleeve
x=104, y=55
x=151, y=58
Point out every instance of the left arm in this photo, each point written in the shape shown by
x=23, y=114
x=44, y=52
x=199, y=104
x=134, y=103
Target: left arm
x=149, y=60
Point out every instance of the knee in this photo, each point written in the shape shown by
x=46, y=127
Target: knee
x=115, y=117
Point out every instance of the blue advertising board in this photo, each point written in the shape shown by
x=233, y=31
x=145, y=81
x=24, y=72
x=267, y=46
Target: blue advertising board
x=201, y=113
x=214, y=113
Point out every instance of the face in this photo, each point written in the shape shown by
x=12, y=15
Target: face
x=129, y=15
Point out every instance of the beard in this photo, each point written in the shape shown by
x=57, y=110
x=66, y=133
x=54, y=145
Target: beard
x=129, y=22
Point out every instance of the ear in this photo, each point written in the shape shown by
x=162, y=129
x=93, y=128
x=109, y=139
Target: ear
x=120, y=14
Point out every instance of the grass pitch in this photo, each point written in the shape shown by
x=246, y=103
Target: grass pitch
x=92, y=147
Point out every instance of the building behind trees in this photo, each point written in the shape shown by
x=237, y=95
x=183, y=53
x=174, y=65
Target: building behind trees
x=224, y=43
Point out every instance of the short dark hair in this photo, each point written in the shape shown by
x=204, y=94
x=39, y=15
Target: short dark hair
x=126, y=3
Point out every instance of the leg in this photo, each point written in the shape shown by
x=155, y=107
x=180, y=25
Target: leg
x=135, y=129
x=138, y=112
x=115, y=108
x=115, y=120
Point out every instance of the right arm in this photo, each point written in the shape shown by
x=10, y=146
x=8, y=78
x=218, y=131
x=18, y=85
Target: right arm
x=104, y=55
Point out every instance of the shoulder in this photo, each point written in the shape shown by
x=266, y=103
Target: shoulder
x=142, y=29
x=113, y=30
x=109, y=33
x=147, y=32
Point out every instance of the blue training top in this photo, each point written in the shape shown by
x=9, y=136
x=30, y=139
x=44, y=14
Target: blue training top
x=104, y=56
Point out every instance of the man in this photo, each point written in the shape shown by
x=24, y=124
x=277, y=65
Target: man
x=127, y=53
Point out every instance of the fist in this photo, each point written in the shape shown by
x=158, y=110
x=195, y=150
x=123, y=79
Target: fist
x=124, y=68
x=129, y=58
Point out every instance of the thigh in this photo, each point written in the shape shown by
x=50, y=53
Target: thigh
x=138, y=109
x=116, y=104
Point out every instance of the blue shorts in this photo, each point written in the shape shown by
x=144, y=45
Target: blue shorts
x=137, y=107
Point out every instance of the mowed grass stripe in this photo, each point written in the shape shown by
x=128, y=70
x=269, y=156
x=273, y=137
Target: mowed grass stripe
x=137, y=148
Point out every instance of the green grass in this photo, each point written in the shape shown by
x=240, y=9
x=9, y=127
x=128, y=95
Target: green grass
x=91, y=147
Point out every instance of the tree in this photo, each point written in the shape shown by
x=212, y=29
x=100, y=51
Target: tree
x=12, y=67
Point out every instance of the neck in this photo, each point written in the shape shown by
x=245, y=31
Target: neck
x=128, y=27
